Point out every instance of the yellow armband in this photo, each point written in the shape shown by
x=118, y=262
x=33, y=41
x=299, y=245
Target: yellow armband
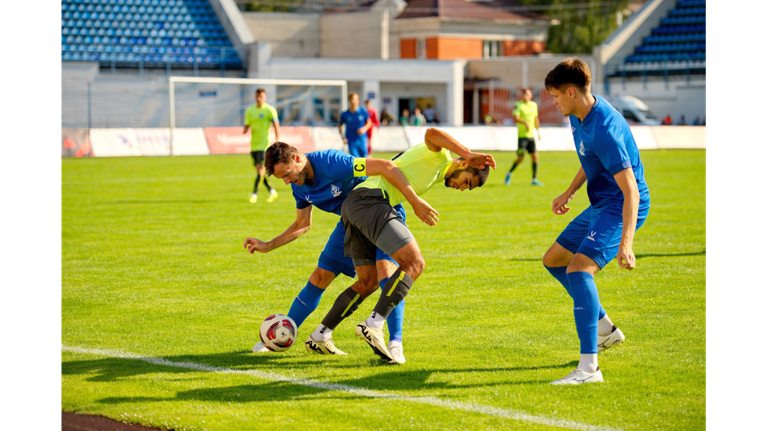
x=359, y=167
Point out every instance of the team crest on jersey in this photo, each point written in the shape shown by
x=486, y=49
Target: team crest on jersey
x=581, y=148
x=335, y=190
x=261, y=116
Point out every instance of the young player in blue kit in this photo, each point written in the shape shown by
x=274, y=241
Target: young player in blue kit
x=323, y=179
x=619, y=204
x=357, y=122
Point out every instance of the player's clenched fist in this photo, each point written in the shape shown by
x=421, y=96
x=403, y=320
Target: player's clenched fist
x=559, y=206
x=253, y=244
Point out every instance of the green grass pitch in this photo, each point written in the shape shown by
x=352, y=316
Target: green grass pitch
x=153, y=265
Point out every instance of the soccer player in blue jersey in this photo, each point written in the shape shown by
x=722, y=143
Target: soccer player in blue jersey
x=323, y=179
x=619, y=204
x=357, y=122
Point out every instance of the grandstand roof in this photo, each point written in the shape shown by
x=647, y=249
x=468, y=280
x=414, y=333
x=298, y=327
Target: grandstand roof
x=506, y=10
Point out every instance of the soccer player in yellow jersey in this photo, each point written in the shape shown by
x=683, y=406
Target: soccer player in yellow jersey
x=258, y=118
x=526, y=115
x=371, y=222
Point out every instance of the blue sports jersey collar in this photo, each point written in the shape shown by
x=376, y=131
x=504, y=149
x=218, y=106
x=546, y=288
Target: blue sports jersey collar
x=314, y=174
x=591, y=112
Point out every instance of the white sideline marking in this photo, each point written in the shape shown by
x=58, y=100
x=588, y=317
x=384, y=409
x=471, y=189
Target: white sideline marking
x=456, y=405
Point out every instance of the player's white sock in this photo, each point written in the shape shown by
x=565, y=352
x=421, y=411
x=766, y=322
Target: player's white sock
x=588, y=362
x=375, y=321
x=604, y=326
x=322, y=333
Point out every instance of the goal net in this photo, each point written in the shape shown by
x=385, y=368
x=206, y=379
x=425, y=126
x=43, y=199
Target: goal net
x=222, y=102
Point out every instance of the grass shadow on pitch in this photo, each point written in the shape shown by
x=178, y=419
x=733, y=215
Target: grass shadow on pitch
x=637, y=256
x=250, y=393
x=700, y=253
x=388, y=378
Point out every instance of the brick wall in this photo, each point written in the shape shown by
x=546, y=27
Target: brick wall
x=443, y=48
x=523, y=47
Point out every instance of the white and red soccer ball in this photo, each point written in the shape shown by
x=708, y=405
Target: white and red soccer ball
x=278, y=332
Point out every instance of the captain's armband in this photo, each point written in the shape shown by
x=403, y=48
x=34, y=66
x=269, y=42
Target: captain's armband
x=359, y=167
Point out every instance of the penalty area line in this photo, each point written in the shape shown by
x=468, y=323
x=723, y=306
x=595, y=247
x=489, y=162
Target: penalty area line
x=433, y=401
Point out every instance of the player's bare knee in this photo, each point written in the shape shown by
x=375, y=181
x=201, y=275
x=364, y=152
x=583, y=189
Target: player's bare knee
x=414, y=267
x=321, y=278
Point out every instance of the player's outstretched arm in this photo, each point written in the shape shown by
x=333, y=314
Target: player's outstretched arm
x=295, y=230
x=559, y=206
x=437, y=139
x=389, y=170
x=628, y=185
x=276, y=125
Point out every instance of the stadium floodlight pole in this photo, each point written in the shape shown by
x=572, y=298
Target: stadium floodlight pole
x=172, y=80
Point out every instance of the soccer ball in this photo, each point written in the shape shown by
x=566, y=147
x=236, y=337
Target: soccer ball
x=278, y=332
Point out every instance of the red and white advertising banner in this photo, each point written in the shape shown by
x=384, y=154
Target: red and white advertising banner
x=474, y=138
x=148, y=142
x=506, y=138
x=114, y=143
x=327, y=138
x=389, y=139
x=228, y=140
x=644, y=137
x=688, y=137
x=555, y=139
x=232, y=140
x=75, y=143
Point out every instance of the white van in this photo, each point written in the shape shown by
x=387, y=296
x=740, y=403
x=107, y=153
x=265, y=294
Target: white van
x=634, y=110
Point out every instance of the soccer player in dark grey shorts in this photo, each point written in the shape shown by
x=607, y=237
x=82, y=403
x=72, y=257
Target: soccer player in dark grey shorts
x=370, y=222
x=370, y=210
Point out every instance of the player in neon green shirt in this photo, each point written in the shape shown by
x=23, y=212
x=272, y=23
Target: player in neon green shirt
x=258, y=118
x=370, y=221
x=526, y=115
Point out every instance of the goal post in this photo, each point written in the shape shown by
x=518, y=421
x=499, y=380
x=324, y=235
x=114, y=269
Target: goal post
x=220, y=102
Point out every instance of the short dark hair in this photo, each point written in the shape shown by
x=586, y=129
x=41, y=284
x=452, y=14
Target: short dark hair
x=261, y=90
x=351, y=95
x=569, y=72
x=279, y=152
x=481, y=173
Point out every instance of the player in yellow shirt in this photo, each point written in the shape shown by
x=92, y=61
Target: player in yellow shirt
x=258, y=118
x=370, y=221
x=526, y=115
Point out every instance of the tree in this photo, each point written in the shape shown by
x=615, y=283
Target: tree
x=578, y=25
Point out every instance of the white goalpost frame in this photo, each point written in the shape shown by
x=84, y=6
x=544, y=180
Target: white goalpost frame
x=172, y=80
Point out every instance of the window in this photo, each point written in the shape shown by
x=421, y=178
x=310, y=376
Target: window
x=421, y=48
x=629, y=115
x=492, y=48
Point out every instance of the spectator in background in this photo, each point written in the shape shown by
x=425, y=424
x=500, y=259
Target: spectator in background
x=357, y=123
x=488, y=119
x=418, y=118
x=666, y=121
x=387, y=118
x=405, y=119
x=431, y=114
x=374, y=121
x=682, y=121
x=696, y=121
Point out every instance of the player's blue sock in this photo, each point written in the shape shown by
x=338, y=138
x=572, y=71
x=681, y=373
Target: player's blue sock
x=305, y=303
x=559, y=273
x=395, y=318
x=586, y=307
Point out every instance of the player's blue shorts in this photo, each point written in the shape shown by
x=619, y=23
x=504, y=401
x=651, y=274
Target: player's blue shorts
x=332, y=258
x=597, y=233
x=358, y=147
